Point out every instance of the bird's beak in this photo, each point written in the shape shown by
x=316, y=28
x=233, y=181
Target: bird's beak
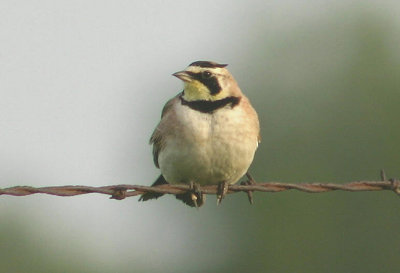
x=183, y=75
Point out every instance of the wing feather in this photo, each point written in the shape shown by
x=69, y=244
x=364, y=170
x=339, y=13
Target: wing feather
x=157, y=139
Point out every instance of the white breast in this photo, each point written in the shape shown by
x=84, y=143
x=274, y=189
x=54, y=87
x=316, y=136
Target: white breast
x=209, y=148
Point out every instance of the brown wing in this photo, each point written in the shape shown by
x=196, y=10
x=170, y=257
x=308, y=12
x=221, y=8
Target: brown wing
x=157, y=139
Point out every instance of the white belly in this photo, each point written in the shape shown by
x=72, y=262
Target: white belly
x=209, y=148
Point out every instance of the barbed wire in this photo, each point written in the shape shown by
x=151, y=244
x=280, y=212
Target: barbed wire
x=122, y=191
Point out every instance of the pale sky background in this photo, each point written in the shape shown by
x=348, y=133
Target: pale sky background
x=82, y=85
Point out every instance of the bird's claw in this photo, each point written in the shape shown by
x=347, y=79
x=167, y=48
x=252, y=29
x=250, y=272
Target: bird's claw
x=193, y=197
x=249, y=181
x=221, y=191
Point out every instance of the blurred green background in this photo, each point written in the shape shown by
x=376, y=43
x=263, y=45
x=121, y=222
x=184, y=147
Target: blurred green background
x=83, y=84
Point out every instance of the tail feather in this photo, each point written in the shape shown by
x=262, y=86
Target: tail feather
x=154, y=195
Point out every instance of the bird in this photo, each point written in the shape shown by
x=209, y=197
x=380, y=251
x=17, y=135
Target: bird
x=208, y=134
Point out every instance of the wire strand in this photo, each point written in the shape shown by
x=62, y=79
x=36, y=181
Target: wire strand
x=122, y=191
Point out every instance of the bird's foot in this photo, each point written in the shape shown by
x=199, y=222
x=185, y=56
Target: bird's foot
x=249, y=181
x=221, y=191
x=193, y=197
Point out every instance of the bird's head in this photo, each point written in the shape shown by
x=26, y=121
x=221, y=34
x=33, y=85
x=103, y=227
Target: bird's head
x=205, y=80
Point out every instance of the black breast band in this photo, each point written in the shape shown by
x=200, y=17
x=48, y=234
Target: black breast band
x=206, y=106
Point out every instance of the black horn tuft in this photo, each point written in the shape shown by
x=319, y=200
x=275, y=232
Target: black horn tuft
x=207, y=64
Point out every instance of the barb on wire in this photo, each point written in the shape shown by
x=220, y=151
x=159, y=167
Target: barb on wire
x=122, y=191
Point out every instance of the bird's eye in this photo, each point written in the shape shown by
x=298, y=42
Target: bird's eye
x=206, y=74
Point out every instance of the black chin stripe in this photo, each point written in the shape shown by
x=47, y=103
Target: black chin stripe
x=207, y=64
x=206, y=106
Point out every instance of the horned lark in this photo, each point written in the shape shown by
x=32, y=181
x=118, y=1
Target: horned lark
x=207, y=135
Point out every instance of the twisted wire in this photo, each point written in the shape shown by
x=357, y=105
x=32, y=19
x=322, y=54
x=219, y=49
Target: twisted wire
x=124, y=190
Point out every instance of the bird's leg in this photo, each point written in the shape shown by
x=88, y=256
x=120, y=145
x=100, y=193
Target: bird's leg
x=195, y=188
x=221, y=191
x=193, y=197
x=249, y=181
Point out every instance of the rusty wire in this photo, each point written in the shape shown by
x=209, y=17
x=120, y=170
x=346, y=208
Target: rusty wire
x=122, y=191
